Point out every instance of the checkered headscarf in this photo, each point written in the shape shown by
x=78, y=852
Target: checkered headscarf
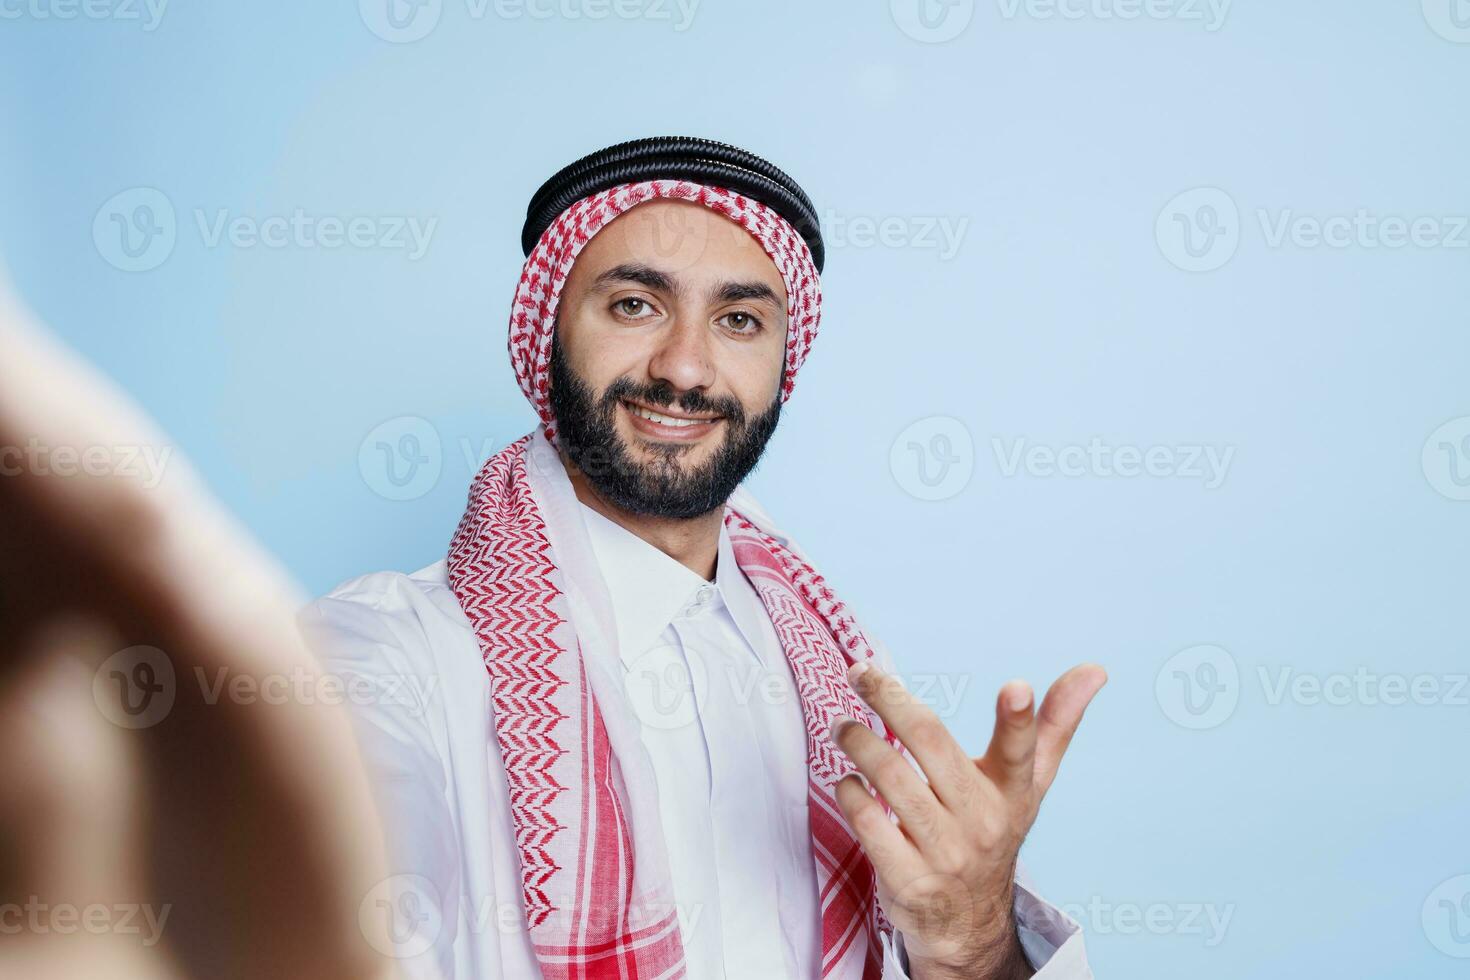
x=550, y=262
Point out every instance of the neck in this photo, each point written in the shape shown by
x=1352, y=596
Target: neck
x=693, y=542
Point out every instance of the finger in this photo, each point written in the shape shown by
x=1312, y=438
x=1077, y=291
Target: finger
x=177, y=571
x=1010, y=759
x=68, y=807
x=922, y=815
x=948, y=767
x=892, y=854
x=1061, y=713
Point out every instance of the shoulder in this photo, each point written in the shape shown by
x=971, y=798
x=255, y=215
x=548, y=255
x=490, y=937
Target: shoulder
x=385, y=616
x=389, y=590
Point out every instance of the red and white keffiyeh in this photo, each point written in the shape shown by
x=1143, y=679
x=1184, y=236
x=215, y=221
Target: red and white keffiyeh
x=598, y=898
x=533, y=315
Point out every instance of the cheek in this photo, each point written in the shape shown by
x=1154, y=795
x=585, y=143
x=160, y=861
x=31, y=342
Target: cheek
x=594, y=349
x=776, y=361
x=756, y=375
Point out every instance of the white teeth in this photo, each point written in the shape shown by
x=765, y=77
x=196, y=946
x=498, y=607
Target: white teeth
x=666, y=419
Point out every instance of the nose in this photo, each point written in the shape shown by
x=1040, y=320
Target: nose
x=684, y=356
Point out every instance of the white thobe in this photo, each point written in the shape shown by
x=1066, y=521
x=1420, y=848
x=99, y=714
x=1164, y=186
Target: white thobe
x=722, y=722
x=722, y=726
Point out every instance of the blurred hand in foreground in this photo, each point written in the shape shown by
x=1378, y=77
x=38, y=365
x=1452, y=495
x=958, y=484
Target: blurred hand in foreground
x=153, y=821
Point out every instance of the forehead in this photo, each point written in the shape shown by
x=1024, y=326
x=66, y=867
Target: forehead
x=690, y=242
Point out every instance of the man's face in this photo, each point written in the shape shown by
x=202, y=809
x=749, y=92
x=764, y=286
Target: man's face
x=667, y=359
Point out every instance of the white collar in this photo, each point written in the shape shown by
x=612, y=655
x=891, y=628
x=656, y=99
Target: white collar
x=587, y=586
x=649, y=589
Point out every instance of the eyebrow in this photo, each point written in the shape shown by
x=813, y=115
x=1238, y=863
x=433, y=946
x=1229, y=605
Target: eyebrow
x=737, y=292
x=651, y=278
x=635, y=272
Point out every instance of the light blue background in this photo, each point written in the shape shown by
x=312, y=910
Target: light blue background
x=1320, y=829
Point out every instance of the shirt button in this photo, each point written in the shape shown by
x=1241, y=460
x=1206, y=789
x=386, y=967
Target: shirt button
x=702, y=598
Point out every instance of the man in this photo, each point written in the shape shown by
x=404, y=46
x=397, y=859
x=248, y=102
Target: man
x=641, y=751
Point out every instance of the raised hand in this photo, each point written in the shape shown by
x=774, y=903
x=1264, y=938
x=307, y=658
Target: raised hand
x=946, y=868
x=244, y=832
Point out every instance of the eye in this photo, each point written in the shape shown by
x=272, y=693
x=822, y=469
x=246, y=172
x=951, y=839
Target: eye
x=633, y=307
x=741, y=322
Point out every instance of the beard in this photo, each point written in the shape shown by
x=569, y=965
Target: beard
x=587, y=430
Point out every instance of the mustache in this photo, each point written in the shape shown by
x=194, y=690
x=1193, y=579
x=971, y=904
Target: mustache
x=660, y=394
x=588, y=429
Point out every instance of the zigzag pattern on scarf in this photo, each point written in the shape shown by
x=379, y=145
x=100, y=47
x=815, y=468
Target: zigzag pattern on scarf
x=504, y=574
x=500, y=567
x=849, y=867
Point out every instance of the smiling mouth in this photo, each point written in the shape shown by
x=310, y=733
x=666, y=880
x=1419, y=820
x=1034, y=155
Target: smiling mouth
x=666, y=424
x=678, y=422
